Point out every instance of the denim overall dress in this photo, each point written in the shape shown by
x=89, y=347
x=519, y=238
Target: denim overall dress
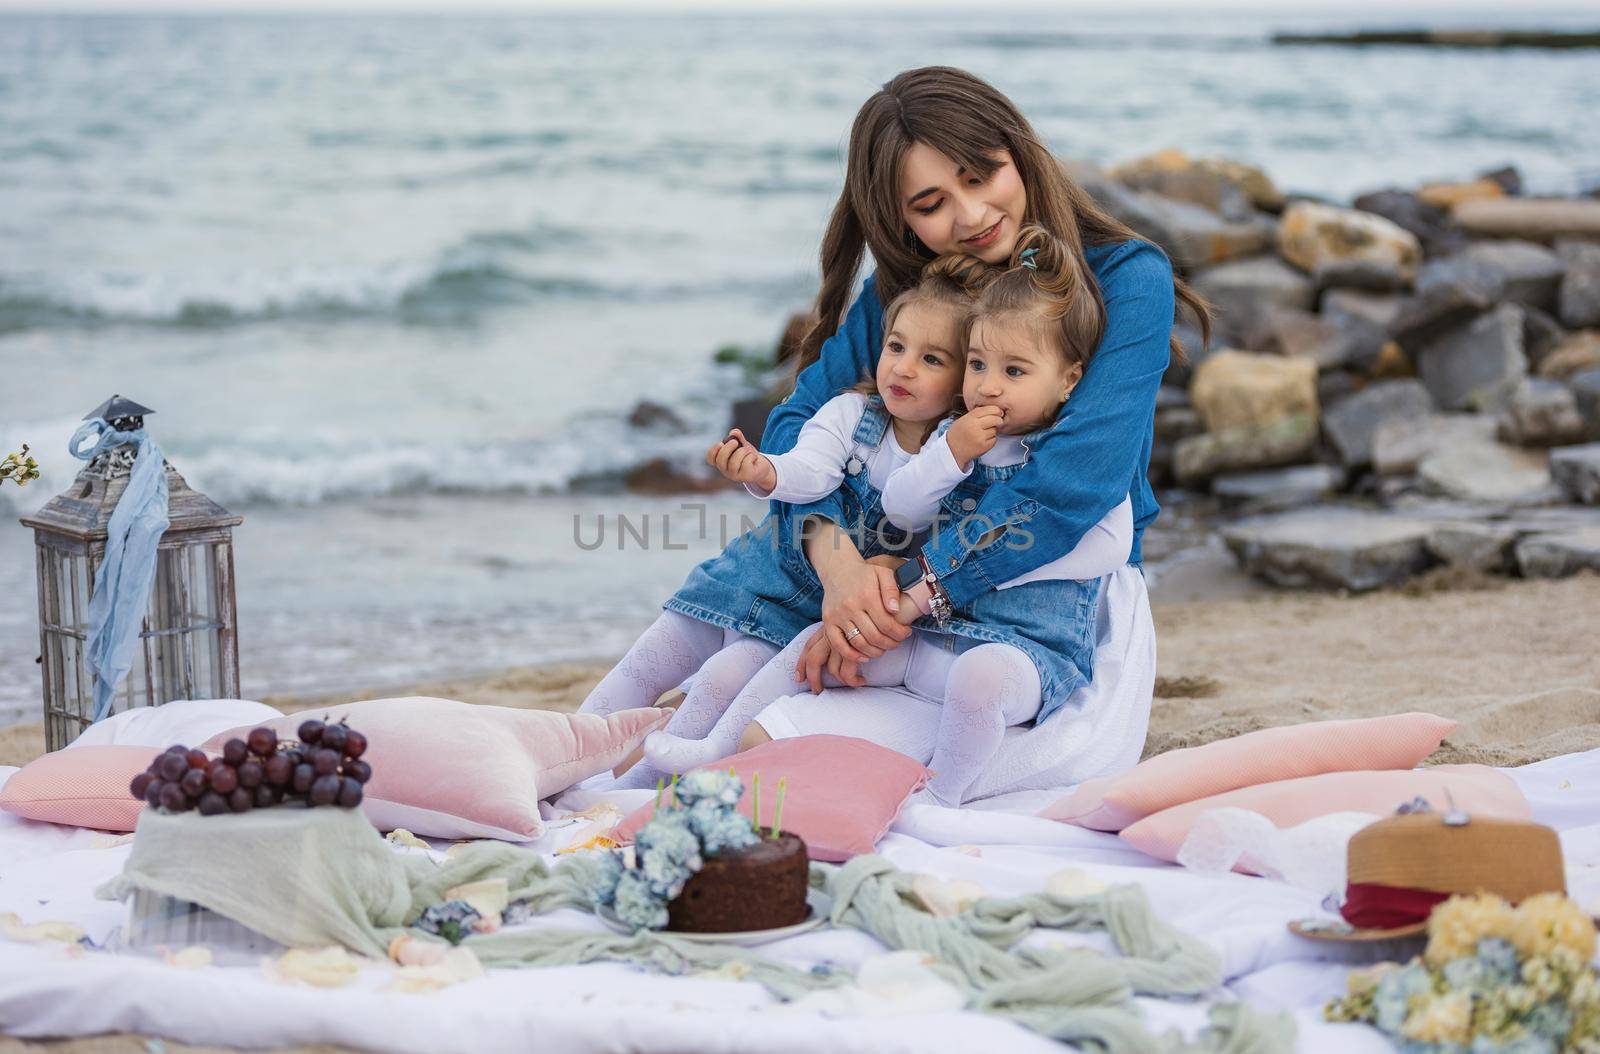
x=1053, y=621
x=762, y=584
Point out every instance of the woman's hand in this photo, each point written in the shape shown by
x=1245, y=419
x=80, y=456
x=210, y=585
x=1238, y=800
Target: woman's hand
x=860, y=600
x=739, y=460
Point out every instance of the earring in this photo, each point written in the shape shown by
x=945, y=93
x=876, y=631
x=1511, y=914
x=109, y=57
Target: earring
x=913, y=243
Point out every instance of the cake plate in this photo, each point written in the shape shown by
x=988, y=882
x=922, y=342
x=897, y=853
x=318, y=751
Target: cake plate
x=820, y=903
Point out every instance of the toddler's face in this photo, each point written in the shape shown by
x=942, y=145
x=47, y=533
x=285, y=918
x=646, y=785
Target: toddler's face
x=1007, y=368
x=919, y=371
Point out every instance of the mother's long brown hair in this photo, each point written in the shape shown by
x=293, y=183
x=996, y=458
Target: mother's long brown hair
x=962, y=117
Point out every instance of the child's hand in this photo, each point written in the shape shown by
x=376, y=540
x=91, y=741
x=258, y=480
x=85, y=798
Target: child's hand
x=973, y=434
x=908, y=612
x=739, y=460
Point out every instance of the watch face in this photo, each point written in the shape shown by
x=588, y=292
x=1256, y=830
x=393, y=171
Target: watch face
x=908, y=574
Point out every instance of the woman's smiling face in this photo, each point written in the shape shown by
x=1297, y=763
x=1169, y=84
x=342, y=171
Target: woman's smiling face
x=953, y=210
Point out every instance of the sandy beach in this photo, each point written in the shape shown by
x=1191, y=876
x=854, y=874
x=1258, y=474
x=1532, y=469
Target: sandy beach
x=1513, y=661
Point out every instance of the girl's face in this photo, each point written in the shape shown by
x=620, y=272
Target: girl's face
x=919, y=370
x=953, y=210
x=1006, y=367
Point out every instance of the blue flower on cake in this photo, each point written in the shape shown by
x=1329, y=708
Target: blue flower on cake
x=637, y=905
x=719, y=827
x=668, y=852
x=709, y=784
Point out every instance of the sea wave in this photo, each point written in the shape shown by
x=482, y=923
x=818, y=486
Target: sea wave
x=312, y=467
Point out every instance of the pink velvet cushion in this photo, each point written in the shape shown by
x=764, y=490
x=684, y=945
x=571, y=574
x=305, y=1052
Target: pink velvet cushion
x=1400, y=741
x=81, y=787
x=842, y=793
x=1477, y=789
x=448, y=769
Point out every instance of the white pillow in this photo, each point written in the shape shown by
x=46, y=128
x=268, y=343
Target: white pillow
x=187, y=721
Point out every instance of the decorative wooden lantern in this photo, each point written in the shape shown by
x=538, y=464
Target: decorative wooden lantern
x=187, y=644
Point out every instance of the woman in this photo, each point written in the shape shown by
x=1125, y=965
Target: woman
x=939, y=161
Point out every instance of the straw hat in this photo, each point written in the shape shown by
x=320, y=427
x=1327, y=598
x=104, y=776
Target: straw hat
x=1400, y=867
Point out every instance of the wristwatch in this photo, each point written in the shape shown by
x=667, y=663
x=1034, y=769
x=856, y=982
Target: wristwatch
x=916, y=579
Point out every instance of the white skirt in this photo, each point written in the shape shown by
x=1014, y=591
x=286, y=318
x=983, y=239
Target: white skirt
x=1100, y=732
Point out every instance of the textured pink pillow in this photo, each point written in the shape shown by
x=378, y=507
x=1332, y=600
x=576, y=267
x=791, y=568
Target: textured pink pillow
x=81, y=787
x=456, y=770
x=1111, y=803
x=842, y=794
x=1477, y=789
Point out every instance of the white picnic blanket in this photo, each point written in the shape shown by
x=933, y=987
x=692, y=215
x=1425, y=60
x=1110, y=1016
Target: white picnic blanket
x=49, y=873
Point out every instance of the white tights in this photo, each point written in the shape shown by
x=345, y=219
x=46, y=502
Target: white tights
x=982, y=689
x=674, y=647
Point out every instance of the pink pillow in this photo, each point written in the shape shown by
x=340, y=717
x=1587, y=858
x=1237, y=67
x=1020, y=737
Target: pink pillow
x=1111, y=803
x=457, y=770
x=81, y=787
x=842, y=794
x=1476, y=789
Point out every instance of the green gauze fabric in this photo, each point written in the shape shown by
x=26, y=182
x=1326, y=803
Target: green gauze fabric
x=311, y=878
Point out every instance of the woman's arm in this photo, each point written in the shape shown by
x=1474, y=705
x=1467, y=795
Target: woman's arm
x=1084, y=465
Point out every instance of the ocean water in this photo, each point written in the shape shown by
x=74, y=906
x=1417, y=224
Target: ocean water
x=392, y=284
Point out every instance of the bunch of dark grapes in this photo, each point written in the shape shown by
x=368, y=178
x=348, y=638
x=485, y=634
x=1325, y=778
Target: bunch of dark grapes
x=323, y=768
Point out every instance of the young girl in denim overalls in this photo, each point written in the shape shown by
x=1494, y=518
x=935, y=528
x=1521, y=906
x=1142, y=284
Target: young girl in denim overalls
x=1020, y=650
x=737, y=609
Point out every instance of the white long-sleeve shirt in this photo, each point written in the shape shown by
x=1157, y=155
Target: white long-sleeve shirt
x=912, y=494
x=815, y=466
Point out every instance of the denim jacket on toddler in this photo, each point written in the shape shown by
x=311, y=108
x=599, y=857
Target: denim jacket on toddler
x=762, y=584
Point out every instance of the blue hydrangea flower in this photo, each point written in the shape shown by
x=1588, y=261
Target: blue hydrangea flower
x=1501, y=957
x=637, y=905
x=1478, y=974
x=608, y=869
x=1551, y=1020
x=668, y=853
x=1394, y=991
x=710, y=784
x=1526, y=1044
x=719, y=826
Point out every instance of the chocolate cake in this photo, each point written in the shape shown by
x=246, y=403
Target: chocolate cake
x=759, y=887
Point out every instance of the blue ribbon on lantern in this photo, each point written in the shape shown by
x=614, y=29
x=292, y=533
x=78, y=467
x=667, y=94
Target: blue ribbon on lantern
x=122, y=581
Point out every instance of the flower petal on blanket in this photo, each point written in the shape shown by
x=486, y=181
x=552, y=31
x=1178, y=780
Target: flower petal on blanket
x=324, y=968
x=946, y=897
x=12, y=928
x=455, y=966
x=1073, y=882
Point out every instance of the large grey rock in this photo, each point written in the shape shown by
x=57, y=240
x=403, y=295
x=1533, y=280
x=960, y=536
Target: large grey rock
x=1283, y=442
x=1488, y=472
x=1475, y=546
x=1576, y=469
x=1585, y=387
x=1364, y=318
x=1477, y=366
x=1399, y=445
x=1299, y=334
x=1557, y=555
x=1541, y=413
x=1338, y=548
x=1521, y=272
x=1579, y=300
x=1192, y=235
x=1351, y=423
x=1243, y=291
x=1429, y=223
x=1272, y=490
x=1536, y=219
x=1541, y=335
